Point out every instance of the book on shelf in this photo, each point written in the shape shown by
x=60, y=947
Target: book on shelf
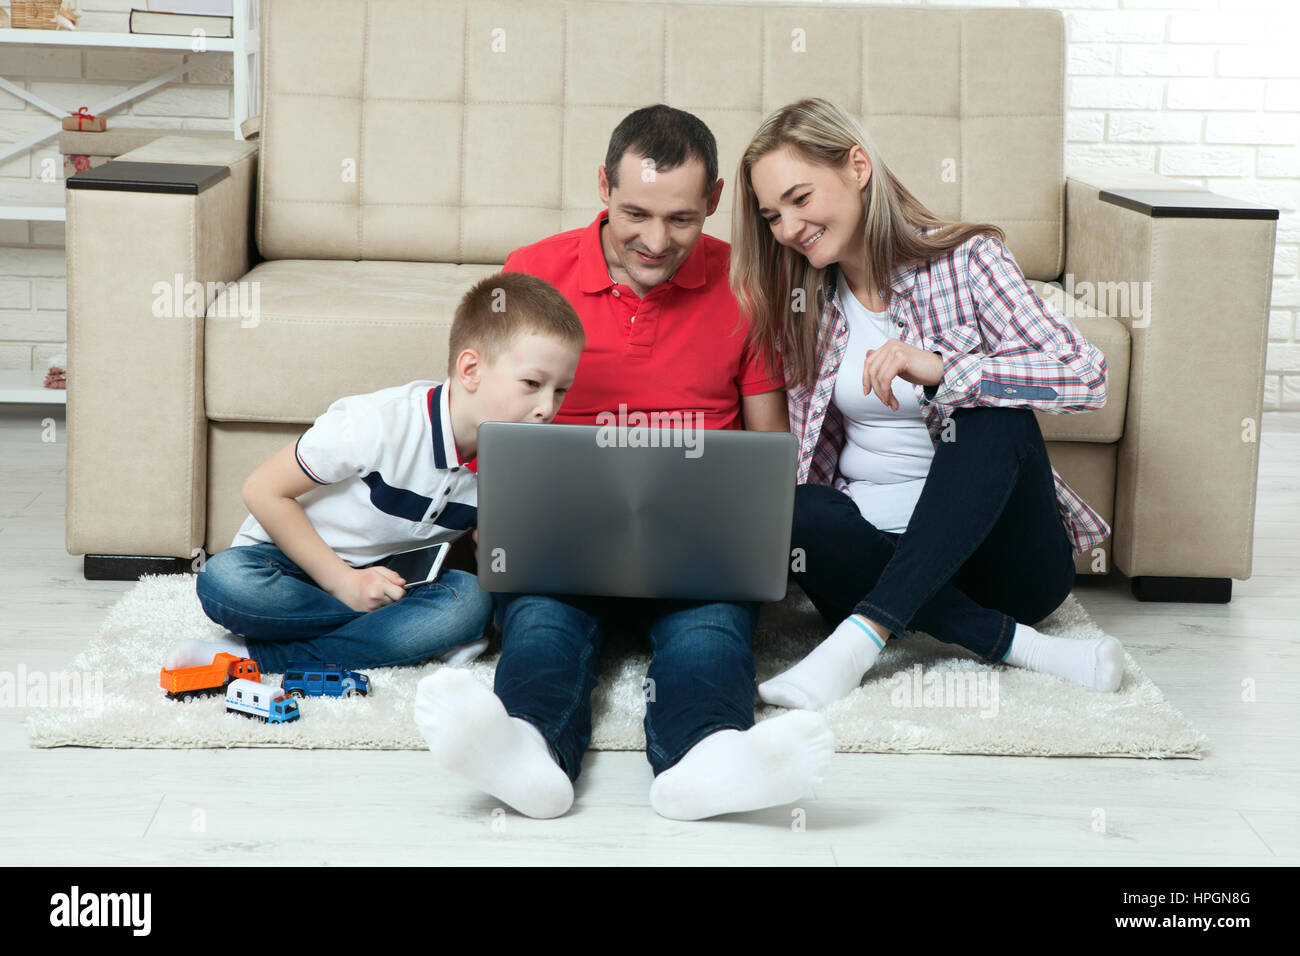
x=217, y=7
x=165, y=23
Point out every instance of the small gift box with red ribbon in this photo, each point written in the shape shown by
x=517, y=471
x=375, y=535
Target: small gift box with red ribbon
x=85, y=121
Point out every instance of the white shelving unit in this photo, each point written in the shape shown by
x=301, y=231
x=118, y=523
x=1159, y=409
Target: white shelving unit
x=44, y=201
x=144, y=41
x=36, y=202
x=28, y=388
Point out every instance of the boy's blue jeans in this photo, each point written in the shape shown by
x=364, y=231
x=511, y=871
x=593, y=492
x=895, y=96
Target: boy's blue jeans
x=985, y=546
x=700, y=680
x=257, y=591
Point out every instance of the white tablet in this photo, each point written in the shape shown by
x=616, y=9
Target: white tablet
x=417, y=566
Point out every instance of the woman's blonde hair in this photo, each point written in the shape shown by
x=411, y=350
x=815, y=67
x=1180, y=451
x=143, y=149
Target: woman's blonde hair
x=900, y=231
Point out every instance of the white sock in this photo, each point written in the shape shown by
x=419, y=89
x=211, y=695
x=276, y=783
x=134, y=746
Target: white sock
x=194, y=653
x=464, y=653
x=732, y=771
x=470, y=734
x=1097, y=663
x=831, y=671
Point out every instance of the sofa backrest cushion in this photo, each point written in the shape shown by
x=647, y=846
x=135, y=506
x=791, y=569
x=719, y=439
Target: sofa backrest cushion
x=459, y=130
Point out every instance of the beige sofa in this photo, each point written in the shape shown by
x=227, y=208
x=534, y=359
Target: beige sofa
x=406, y=148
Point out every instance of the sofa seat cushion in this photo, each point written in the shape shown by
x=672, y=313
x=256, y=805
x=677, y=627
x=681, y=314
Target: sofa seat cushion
x=324, y=329
x=327, y=328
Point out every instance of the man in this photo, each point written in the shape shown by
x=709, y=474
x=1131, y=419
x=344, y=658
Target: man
x=663, y=335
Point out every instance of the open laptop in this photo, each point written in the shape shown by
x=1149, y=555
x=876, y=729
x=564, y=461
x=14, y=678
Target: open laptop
x=635, y=512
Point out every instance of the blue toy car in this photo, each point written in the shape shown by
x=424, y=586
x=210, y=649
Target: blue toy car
x=321, y=679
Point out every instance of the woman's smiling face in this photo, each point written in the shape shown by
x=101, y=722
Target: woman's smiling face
x=812, y=209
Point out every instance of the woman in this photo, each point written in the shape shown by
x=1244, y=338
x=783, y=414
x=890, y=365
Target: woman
x=914, y=351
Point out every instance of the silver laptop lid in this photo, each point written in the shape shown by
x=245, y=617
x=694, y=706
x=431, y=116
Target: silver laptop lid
x=635, y=512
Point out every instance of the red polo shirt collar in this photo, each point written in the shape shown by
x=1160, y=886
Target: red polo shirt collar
x=594, y=271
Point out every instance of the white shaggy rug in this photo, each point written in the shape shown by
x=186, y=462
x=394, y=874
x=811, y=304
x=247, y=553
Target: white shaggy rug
x=922, y=696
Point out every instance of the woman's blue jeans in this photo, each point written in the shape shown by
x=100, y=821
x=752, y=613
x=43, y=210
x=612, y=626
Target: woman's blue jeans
x=700, y=680
x=257, y=591
x=985, y=546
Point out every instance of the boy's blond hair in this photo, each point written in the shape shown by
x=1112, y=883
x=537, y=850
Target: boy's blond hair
x=502, y=306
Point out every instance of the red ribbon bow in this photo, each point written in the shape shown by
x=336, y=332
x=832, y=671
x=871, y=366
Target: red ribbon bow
x=82, y=115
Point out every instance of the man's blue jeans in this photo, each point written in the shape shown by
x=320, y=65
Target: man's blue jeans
x=701, y=677
x=985, y=546
x=257, y=591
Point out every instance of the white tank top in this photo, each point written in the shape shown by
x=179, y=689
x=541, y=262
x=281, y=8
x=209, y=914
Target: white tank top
x=887, y=453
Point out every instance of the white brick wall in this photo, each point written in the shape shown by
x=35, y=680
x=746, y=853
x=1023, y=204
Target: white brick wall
x=1208, y=92
x=1204, y=90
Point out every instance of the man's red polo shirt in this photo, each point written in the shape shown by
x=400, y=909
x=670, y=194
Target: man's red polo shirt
x=680, y=349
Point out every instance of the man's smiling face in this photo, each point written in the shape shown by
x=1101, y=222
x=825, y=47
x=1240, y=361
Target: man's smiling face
x=655, y=219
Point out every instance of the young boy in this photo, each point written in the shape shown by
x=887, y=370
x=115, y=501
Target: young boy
x=380, y=474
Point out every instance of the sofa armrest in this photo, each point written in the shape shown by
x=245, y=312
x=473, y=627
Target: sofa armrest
x=1196, y=272
x=140, y=231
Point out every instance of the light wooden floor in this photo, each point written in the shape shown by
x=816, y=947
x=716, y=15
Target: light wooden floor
x=1237, y=806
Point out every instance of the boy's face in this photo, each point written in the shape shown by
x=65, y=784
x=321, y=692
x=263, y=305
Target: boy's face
x=527, y=382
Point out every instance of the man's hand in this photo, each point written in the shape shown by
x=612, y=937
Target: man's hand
x=898, y=359
x=366, y=589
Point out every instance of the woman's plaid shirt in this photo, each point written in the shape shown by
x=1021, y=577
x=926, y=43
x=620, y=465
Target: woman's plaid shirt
x=1001, y=346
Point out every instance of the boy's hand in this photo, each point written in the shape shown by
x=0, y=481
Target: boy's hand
x=366, y=589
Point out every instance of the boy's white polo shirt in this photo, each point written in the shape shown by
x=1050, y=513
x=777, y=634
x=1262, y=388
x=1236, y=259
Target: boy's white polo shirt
x=389, y=475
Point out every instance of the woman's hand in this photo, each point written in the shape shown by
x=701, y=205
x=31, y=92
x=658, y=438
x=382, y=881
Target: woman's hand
x=366, y=589
x=898, y=359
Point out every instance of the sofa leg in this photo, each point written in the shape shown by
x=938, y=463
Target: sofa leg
x=129, y=567
x=1186, y=590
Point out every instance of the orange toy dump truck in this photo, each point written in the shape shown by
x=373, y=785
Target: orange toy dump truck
x=207, y=678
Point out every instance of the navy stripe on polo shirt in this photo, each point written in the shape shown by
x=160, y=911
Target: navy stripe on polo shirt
x=457, y=515
x=303, y=466
x=388, y=476
x=439, y=452
x=396, y=501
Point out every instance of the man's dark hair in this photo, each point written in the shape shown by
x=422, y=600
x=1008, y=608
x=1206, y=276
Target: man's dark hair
x=670, y=137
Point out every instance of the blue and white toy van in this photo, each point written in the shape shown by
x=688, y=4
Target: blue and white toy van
x=321, y=679
x=265, y=701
